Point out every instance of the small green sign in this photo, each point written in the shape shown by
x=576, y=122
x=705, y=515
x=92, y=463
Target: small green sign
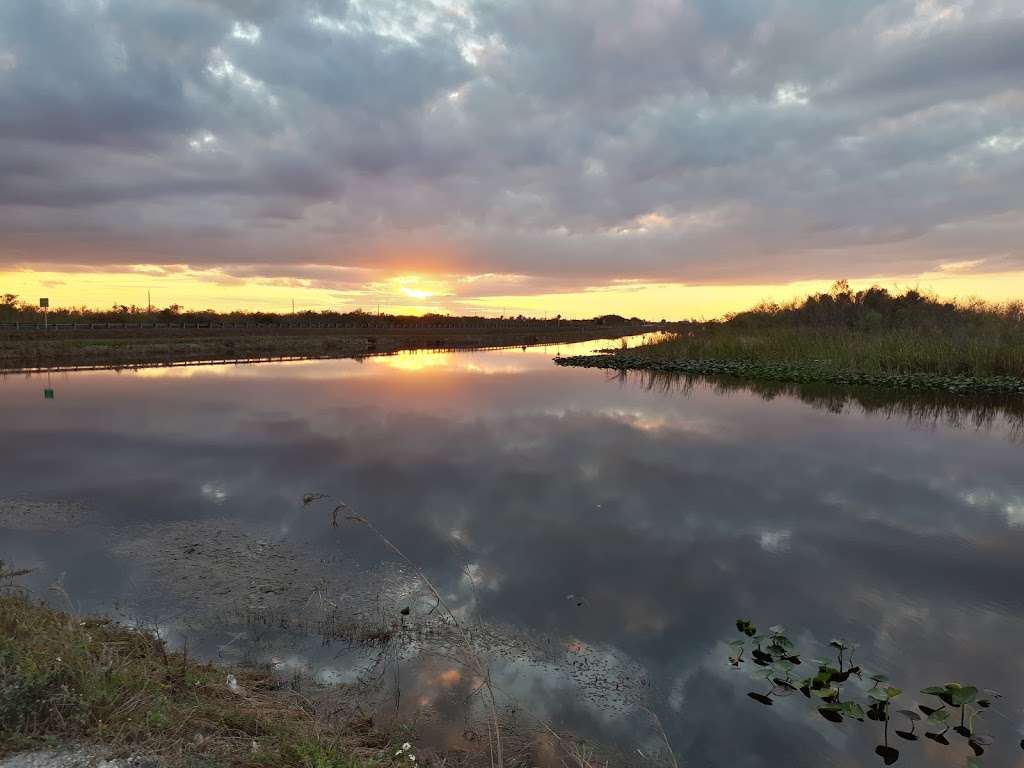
x=48, y=394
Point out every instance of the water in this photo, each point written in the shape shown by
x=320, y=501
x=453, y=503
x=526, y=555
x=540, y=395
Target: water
x=604, y=533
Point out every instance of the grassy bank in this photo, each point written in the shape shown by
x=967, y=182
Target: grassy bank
x=126, y=347
x=65, y=680
x=870, y=338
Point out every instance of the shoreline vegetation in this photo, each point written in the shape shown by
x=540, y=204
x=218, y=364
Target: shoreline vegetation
x=870, y=338
x=73, y=683
x=91, y=689
x=129, y=336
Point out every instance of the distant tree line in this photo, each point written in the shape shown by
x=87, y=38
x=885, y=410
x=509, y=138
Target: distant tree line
x=14, y=310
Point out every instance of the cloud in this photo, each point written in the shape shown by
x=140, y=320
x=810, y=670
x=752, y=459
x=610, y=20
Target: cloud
x=662, y=140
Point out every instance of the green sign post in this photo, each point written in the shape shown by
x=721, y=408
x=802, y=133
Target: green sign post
x=48, y=394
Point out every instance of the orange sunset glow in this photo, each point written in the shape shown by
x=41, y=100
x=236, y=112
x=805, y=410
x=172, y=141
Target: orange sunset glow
x=444, y=157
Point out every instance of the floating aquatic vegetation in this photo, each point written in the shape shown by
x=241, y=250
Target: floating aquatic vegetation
x=40, y=516
x=242, y=593
x=825, y=684
x=801, y=373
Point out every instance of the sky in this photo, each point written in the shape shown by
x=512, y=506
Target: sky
x=661, y=158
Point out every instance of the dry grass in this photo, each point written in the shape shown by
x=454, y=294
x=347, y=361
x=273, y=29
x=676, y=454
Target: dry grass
x=69, y=680
x=870, y=331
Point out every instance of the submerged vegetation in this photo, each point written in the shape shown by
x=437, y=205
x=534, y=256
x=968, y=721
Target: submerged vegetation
x=866, y=338
x=960, y=708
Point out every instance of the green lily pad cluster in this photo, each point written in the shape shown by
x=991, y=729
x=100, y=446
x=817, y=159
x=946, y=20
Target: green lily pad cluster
x=826, y=679
x=802, y=373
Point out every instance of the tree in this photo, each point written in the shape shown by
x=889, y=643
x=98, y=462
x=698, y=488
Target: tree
x=840, y=288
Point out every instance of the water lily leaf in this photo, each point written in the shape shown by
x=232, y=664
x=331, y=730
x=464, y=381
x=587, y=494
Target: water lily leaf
x=840, y=644
x=760, y=698
x=963, y=731
x=889, y=755
x=974, y=762
x=926, y=710
x=910, y=715
x=853, y=709
x=825, y=693
x=738, y=643
x=884, y=694
x=778, y=629
x=934, y=690
x=984, y=703
x=938, y=717
x=979, y=750
x=879, y=678
x=963, y=695
x=938, y=738
x=908, y=735
x=746, y=627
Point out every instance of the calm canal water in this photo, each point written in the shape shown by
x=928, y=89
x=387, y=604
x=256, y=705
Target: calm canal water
x=604, y=533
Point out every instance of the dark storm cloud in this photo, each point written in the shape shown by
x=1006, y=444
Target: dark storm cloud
x=654, y=139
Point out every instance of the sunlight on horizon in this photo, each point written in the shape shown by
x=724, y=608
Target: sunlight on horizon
x=419, y=295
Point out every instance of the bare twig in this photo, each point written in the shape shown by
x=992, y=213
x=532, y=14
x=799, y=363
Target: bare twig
x=476, y=663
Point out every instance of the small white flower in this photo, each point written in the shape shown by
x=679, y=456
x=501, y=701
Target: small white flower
x=407, y=745
x=59, y=658
x=398, y=753
x=413, y=758
x=255, y=747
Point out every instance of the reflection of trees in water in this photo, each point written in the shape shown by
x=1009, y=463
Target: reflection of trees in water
x=920, y=408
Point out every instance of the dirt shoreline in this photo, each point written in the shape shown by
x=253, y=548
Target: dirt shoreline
x=20, y=351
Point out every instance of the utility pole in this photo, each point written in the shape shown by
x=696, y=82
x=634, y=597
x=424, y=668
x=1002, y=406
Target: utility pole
x=149, y=301
x=293, y=306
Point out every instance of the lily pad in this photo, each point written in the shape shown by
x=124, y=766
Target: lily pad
x=853, y=709
x=938, y=717
x=963, y=695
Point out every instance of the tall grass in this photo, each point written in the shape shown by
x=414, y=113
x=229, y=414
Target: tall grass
x=870, y=331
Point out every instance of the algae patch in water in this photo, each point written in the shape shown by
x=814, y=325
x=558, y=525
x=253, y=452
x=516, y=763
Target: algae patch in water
x=41, y=516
